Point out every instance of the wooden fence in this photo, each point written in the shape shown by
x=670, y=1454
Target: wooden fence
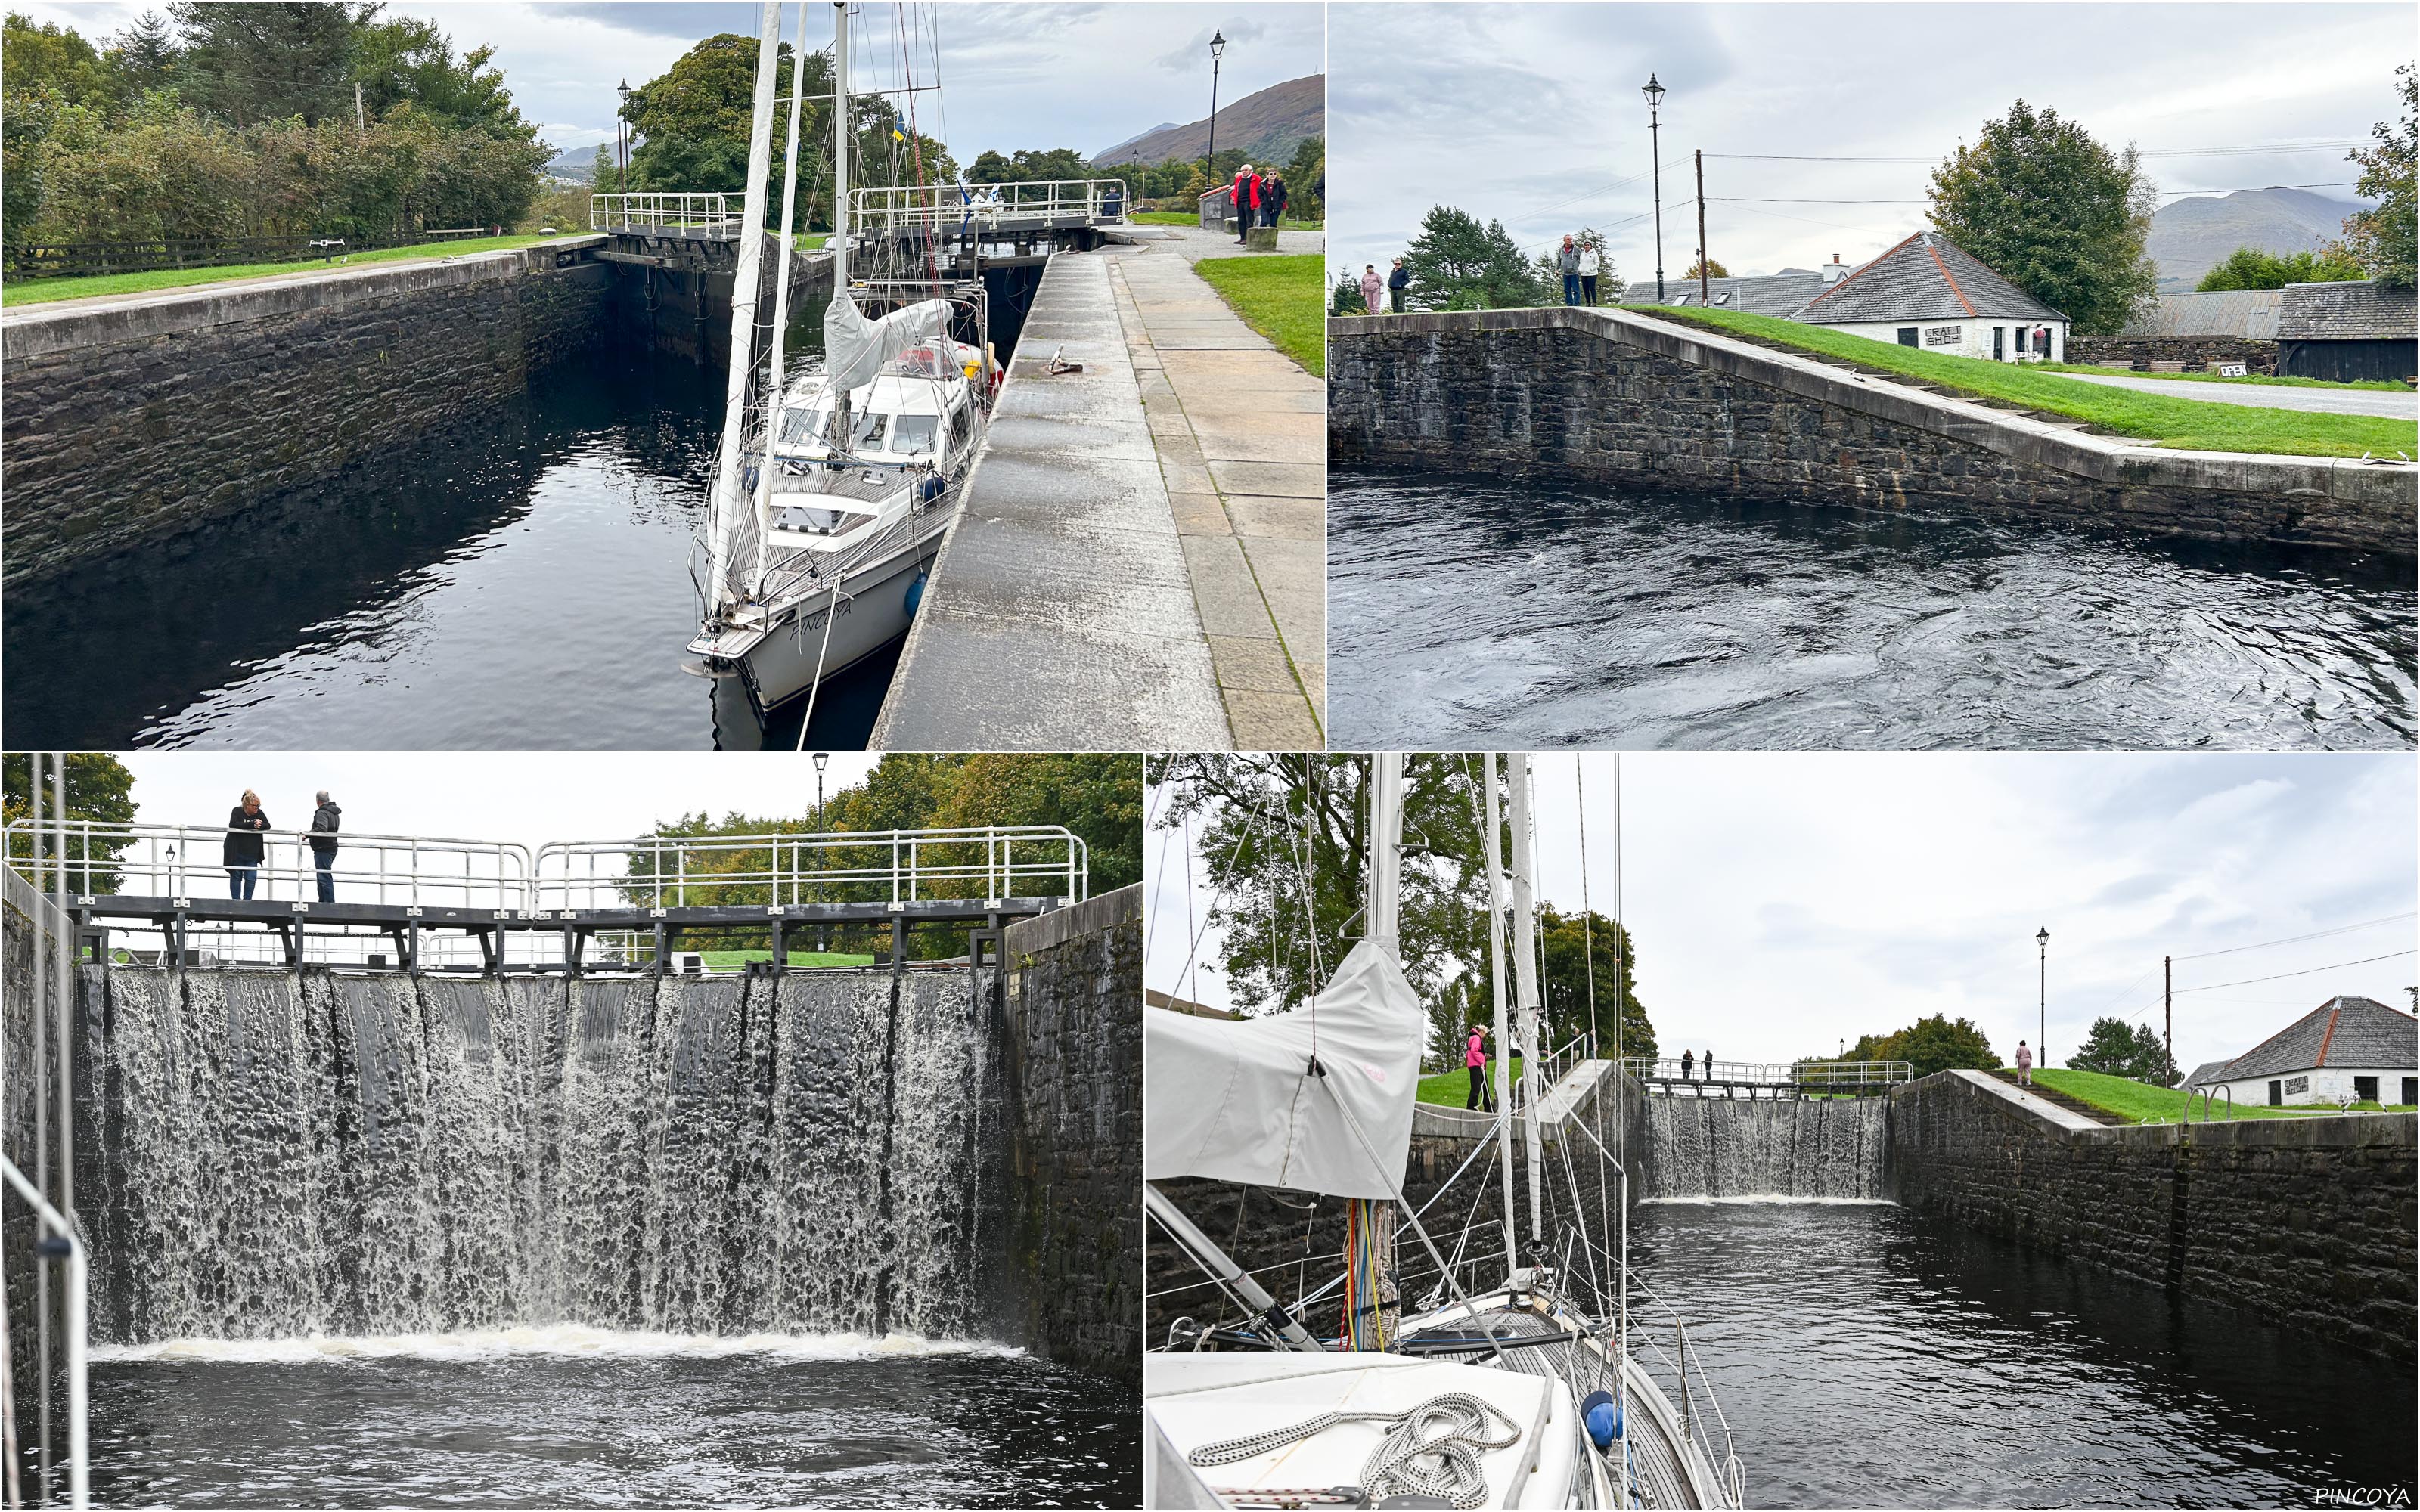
x=79, y=260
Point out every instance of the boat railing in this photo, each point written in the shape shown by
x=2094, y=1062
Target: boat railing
x=1703, y=1425
x=780, y=869
x=183, y=861
x=941, y=207
x=58, y=1240
x=707, y=215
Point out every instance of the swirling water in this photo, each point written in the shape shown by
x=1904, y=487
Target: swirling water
x=1465, y=612
x=1867, y=1355
x=521, y=580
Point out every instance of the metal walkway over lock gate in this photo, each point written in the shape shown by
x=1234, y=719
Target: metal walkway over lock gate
x=1669, y=1078
x=161, y=894
x=988, y=225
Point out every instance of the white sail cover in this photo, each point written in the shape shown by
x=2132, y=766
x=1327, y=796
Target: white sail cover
x=855, y=349
x=1235, y=1100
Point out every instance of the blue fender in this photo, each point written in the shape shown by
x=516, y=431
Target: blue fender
x=916, y=593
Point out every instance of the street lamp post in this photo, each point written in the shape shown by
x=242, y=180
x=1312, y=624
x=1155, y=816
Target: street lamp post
x=1210, y=158
x=621, y=135
x=2042, y=1005
x=1654, y=93
x=821, y=757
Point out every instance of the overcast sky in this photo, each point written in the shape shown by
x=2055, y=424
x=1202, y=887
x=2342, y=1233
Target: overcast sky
x=1531, y=113
x=1081, y=76
x=529, y=797
x=1784, y=902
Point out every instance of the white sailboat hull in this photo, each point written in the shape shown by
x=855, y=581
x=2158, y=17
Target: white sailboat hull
x=876, y=608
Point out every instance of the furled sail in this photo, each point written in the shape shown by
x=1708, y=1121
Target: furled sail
x=1238, y=1101
x=855, y=349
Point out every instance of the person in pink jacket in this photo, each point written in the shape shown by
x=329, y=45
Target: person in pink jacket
x=1374, y=288
x=1474, y=1055
x=2024, y=1065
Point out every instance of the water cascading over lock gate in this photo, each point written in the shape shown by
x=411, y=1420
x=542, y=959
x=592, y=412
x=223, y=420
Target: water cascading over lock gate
x=1788, y=1148
x=271, y=1153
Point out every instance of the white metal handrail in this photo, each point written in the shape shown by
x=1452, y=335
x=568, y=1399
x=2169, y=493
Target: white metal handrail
x=942, y=206
x=895, y=866
x=1813, y=1074
x=64, y=1242
x=187, y=860
x=658, y=212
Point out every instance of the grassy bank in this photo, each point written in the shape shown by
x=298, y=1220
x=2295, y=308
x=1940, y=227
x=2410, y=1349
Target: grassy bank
x=1285, y=298
x=2140, y=1103
x=735, y=959
x=2376, y=385
x=1452, y=1089
x=43, y=290
x=2187, y=425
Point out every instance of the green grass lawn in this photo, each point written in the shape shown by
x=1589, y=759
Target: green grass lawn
x=2140, y=1103
x=42, y=290
x=1452, y=1089
x=1282, y=297
x=734, y=960
x=2187, y=425
x=2382, y=385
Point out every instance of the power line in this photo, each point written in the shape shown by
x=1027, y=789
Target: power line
x=2164, y=194
x=2311, y=971
x=2254, y=151
x=2297, y=939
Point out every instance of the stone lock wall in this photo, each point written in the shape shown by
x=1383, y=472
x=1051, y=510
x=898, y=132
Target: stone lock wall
x=131, y=419
x=1073, y=989
x=1610, y=397
x=2306, y=1221
x=2196, y=352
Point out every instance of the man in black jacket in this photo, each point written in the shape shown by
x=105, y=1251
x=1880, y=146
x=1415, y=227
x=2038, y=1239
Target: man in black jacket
x=244, y=847
x=323, y=844
x=1399, y=278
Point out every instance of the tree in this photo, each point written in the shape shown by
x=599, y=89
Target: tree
x=1928, y=1045
x=2381, y=238
x=2108, y=1048
x=1345, y=298
x=1609, y=283
x=408, y=59
x=2046, y=206
x=1715, y=269
x=144, y=56
x=100, y=787
x=53, y=60
x=245, y=62
x=1568, y=945
x=2151, y=1060
x=2250, y=268
x=1457, y=264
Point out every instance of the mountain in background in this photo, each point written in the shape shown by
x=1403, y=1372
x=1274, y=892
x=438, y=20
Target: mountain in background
x=1267, y=124
x=575, y=162
x=2190, y=236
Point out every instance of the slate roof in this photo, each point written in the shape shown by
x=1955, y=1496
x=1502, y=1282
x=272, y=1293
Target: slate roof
x=2206, y=1072
x=2355, y=1032
x=2362, y=311
x=2249, y=313
x=1776, y=294
x=1924, y=278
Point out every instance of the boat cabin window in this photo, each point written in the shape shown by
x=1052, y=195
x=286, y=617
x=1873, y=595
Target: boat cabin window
x=801, y=424
x=915, y=434
x=866, y=434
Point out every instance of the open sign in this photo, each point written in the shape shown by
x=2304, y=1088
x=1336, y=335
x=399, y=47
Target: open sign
x=2230, y=370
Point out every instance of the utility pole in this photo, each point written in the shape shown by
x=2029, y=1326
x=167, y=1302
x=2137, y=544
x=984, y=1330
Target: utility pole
x=1703, y=293
x=2168, y=1010
x=359, y=122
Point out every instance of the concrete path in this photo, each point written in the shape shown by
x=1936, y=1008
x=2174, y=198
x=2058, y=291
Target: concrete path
x=1193, y=242
x=1060, y=616
x=2267, y=395
x=1241, y=434
x=2041, y=1107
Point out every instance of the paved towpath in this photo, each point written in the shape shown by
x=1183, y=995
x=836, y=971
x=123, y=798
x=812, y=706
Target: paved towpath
x=1242, y=439
x=1193, y=242
x=2268, y=396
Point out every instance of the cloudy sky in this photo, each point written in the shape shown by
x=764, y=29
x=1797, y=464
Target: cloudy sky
x=1784, y=902
x=525, y=796
x=1081, y=76
x=1531, y=113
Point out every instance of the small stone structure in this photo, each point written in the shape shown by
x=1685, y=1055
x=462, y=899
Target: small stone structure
x=1613, y=396
x=2306, y=1221
x=2191, y=354
x=1074, y=987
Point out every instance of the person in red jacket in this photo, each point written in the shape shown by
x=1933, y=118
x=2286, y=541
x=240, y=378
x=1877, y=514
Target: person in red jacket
x=1245, y=195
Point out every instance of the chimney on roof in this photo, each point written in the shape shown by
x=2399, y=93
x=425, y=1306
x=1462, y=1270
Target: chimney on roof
x=1833, y=271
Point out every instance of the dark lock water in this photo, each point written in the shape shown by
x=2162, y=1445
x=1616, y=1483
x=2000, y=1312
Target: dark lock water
x=570, y=1419
x=521, y=581
x=1464, y=612
x=1867, y=1356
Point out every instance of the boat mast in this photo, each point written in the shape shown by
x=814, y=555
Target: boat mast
x=1496, y=978
x=773, y=381
x=724, y=501
x=839, y=200
x=1525, y=968
x=1386, y=852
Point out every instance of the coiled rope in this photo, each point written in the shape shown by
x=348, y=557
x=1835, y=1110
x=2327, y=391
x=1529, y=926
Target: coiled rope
x=1433, y=1450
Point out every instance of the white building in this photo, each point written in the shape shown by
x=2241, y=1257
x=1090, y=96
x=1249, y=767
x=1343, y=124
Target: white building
x=2346, y=1050
x=1924, y=293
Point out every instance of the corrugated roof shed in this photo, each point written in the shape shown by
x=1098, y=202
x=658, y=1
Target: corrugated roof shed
x=2248, y=314
x=1927, y=277
x=2363, y=311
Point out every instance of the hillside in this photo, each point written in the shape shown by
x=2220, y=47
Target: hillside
x=1268, y=124
x=2190, y=236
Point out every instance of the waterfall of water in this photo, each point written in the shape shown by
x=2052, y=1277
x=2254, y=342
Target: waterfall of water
x=1789, y=1148
x=270, y=1154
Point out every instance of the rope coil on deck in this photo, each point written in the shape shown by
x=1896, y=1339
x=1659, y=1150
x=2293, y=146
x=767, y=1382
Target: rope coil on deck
x=1432, y=1450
